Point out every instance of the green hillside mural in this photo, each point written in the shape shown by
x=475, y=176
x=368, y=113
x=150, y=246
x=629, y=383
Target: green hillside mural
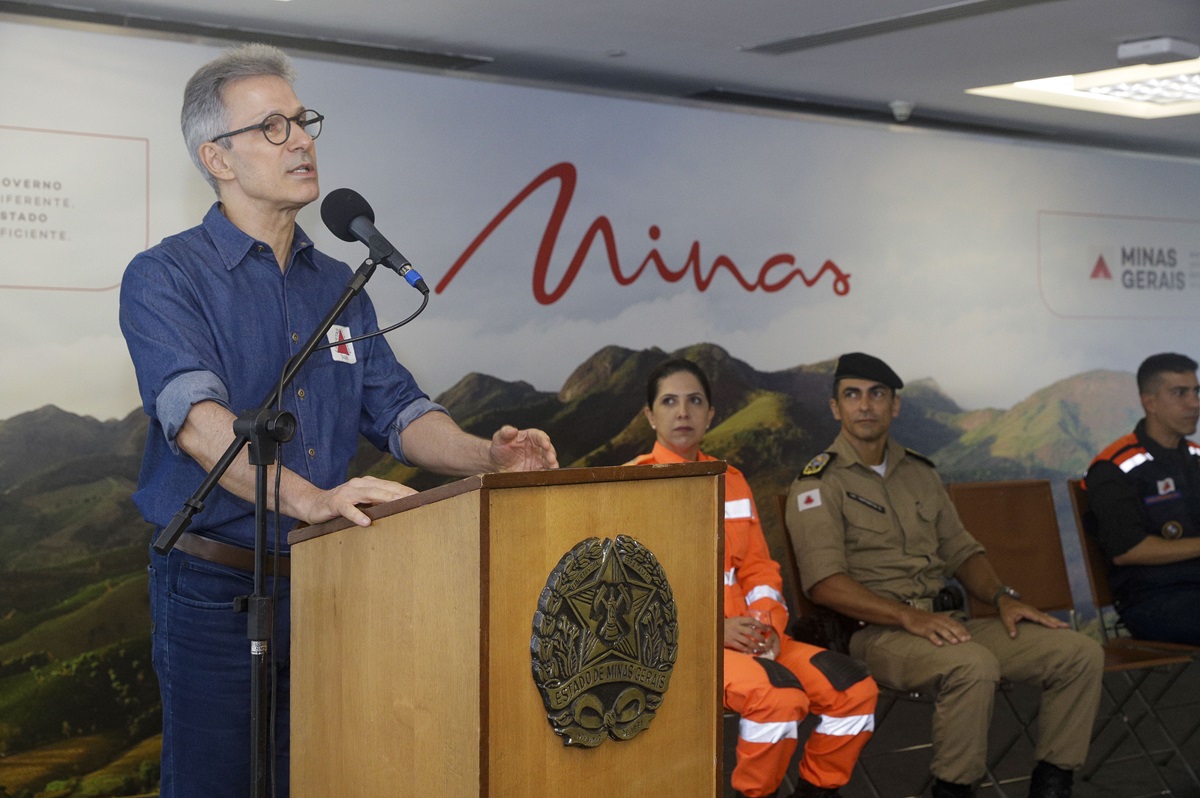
x=79, y=707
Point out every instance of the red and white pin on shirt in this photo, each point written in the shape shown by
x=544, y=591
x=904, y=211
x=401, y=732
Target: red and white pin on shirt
x=343, y=353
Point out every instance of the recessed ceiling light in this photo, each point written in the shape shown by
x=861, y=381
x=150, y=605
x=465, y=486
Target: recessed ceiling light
x=1145, y=91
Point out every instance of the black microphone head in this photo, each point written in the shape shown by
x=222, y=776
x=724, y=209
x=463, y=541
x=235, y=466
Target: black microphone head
x=341, y=207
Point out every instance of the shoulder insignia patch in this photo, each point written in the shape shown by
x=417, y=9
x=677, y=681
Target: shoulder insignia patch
x=817, y=464
x=920, y=457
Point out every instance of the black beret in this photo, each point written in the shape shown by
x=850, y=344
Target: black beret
x=866, y=367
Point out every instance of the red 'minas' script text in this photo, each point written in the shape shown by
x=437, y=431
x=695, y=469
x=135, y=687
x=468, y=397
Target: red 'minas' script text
x=774, y=275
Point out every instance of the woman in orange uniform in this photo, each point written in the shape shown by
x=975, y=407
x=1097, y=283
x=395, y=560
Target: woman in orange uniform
x=771, y=680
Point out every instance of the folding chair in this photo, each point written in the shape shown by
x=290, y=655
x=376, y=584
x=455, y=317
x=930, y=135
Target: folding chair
x=1112, y=632
x=893, y=702
x=1097, y=573
x=1017, y=525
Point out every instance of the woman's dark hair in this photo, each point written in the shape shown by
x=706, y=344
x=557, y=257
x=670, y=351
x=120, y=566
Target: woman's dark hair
x=669, y=367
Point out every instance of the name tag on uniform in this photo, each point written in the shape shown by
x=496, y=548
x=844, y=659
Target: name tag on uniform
x=879, y=508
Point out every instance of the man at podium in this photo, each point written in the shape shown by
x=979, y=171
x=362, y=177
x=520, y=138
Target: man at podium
x=771, y=680
x=210, y=316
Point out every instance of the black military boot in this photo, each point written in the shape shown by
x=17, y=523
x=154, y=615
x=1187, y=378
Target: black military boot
x=949, y=789
x=808, y=790
x=1050, y=781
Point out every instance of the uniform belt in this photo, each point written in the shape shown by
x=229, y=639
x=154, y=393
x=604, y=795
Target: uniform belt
x=923, y=604
x=229, y=555
x=948, y=599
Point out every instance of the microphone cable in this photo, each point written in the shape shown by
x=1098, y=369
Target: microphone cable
x=396, y=326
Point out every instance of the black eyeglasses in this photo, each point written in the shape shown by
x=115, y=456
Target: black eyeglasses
x=277, y=128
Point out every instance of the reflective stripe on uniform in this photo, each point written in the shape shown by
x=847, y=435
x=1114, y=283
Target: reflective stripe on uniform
x=731, y=577
x=769, y=733
x=1133, y=462
x=738, y=508
x=846, y=727
x=764, y=591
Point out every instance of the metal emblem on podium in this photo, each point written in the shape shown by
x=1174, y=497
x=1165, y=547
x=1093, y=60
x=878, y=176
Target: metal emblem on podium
x=605, y=638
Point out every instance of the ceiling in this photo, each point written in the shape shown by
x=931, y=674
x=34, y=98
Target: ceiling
x=830, y=57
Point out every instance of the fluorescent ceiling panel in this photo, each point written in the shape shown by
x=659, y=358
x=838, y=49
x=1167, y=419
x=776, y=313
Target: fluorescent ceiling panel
x=1144, y=91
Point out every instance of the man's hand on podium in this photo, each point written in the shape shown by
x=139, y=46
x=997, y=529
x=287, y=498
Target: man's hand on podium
x=346, y=499
x=522, y=450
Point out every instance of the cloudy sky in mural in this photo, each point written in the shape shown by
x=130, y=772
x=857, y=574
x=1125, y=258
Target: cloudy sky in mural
x=972, y=261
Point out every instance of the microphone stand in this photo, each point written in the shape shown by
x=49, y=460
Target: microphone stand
x=264, y=429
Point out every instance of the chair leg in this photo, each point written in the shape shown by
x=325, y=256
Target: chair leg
x=1120, y=714
x=1150, y=712
x=888, y=701
x=880, y=717
x=1023, y=732
x=1155, y=700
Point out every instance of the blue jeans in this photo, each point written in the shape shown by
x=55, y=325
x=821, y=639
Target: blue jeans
x=202, y=659
x=1171, y=616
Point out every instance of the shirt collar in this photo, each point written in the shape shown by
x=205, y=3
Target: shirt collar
x=847, y=455
x=233, y=244
x=1155, y=448
x=662, y=454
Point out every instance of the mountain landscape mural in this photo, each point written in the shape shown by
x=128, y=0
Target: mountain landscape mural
x=79, y=711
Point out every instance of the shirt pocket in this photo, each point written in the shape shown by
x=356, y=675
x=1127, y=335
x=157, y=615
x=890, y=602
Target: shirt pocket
x=920, y=529
x=867, y=529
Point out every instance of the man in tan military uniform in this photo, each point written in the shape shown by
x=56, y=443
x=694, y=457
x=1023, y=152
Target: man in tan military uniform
x=876, y=537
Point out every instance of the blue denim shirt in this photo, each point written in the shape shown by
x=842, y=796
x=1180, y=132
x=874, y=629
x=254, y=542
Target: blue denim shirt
x=208, y=315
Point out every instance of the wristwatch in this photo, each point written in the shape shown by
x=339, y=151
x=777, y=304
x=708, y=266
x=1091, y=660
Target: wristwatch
x=1004, y=590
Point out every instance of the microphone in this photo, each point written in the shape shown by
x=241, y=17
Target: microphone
x=349, y=217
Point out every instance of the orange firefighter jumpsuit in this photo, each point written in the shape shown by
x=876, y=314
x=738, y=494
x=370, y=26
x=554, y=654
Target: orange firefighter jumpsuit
x=773, y=697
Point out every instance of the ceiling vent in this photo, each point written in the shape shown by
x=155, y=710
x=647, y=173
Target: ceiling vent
x=914, y=19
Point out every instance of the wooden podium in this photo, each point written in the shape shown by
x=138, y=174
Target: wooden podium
x=411, y=665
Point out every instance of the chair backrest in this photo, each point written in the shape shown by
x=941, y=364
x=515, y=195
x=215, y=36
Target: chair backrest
x=811, y=623
x=1093, y=558
x=803, y=605
x=1016, y=523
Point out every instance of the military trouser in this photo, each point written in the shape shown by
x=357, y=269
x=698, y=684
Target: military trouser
x=1066, y=665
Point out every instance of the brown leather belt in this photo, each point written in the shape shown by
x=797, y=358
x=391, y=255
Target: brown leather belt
x=230, y=556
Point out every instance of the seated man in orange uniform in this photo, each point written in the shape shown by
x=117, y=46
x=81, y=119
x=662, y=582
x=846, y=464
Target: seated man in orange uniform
x=771, y=680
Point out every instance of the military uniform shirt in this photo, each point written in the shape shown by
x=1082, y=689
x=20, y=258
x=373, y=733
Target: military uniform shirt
x=897, y=534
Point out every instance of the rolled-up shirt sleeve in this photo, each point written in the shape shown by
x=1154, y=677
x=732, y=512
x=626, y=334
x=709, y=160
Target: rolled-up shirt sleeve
x=391, y=399
x=413, y=411
x=176, y=399
x=170, y=343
